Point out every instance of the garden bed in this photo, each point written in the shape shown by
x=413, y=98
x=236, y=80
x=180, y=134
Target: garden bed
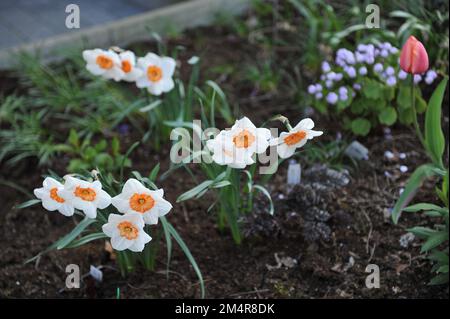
x=276, y=260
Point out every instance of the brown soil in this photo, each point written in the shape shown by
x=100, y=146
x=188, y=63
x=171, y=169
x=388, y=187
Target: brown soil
x=359, y=228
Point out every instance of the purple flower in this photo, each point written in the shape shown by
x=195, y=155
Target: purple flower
x=329, y=83
x=332, y=98
x=311, y=89
x=331, y=76
x=363, y=70
x=319, y=87
x=430, y=76
x=378, y=68
x=402, y=75
x=393, y=50
x=338, y=76
x=343, y=97
x=391, y=81
x=384, y=53
x=417, y=78
x=323, y=77
x=319, y=95
x=350, y=71
x=343, y=90
x=357, y=86
x=326, y=67
x=390, y=71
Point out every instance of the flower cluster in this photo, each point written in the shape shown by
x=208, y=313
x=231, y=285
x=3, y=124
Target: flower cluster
x=237, y=147
x=151, y=72
x=138, y=204
x=343, y=79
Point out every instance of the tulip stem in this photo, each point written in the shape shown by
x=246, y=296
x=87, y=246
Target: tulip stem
x=415, y=120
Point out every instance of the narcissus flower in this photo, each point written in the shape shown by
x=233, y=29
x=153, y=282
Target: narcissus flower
x=52, y=199
x=157, y=73
x=288, y=142
x=136, y=198
x=235, y=147
x=85, y=196
x=126, y=232
x=104, y=63
x=129, y=68
x=414, y=57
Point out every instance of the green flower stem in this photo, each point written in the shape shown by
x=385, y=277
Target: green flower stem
x=415, y=120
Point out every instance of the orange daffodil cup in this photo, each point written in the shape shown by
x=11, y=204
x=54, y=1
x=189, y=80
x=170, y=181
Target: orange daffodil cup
x=138, y=204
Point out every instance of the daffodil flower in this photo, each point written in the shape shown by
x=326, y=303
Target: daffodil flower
x=52, y=199
x=104, y=63
x=157, y=73
x=224, y=151
x=85, y=196
x=236, y=147
x=136, y=198
x=288, y=142
x=128, y=65
x=126, y=232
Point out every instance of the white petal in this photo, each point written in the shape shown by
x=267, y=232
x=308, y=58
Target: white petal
x=50, y=183
x=285, y=151
x=151, y=218
x=66, y=209
x=39, y=192
x=155, y=89
x=95, y=69
x=168, y=66
x=167, y=85
x=305, y=124
x=102, y=199
x=120, y=243
x=143, y=82
x=163, y=206
x=122, y=205
x=133, y=186
x=50, y=205
x=311, y=134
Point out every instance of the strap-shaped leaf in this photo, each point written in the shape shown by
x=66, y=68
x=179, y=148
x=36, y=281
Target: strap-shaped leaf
x=434, y=137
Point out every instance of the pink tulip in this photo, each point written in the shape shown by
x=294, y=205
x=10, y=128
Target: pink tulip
x=414, y=57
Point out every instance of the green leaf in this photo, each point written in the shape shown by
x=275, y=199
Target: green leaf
x=187, y=252
x=388, y=116
x=150, y=107
x=86, y=239
x=194, y=191
x=361, y=126
x=372, y=89
x=434, y=137
x=422, y=232
x=443, y=269
x=221, y=184
x=439, y=279
x=439, y=257
x=28, y=203
x=154, y=173
x=414, y=182
x=265, y=192
x=424, y=206
x=73, y=138
x=66, y=240
x=404, y=97
x=434, y=240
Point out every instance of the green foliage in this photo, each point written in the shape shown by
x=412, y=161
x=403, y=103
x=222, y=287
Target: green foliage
x=87, y=156
x=436, y=239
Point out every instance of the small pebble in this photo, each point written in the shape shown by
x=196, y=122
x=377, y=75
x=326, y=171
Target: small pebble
x=403, y=168
x=389, y=155
x=402, y=155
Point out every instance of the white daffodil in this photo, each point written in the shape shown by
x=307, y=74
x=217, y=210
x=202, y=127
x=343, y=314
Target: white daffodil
x=224, y=151
x=157, y=73
x=85, y=196
x=236, y=147
x=288, y=142
x=126, y=232
x=136, y=198
x=104, y=63
x=52, y=199
x=128, y=65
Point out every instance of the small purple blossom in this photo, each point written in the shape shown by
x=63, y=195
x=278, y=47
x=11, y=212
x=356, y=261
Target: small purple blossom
x=326, y=67
x=319, y=95
x=338, y=76
x=430, y=77
x=311, y=89
x=384, y=53
x=332, y=98
x=378, y=68
x=329, y=84
x=391, y=81
x=350, y=71
x=363, y=70
x=390, y=71
x=357, y=86
x=417, y=78
x=402, y=75
x=343, y=90
x=319, y=87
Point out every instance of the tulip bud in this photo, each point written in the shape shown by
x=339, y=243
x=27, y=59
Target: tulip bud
x=414, y=57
